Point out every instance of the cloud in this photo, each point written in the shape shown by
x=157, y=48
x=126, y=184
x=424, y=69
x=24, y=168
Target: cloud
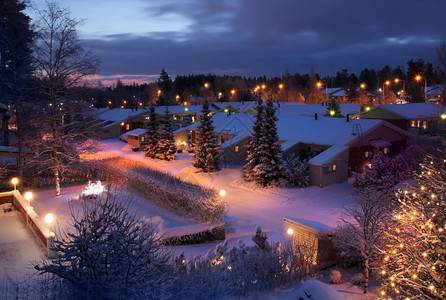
x=261, y=37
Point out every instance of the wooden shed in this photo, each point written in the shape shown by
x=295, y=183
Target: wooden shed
x=137, y=138
x=314, y=238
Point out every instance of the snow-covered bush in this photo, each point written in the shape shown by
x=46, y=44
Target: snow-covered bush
x=107, y=254
x=335, y=277
x=384, y=173
x=92, y=191
x=358, y=279
x=199, y=202
x=232, y=271
x=297, y=173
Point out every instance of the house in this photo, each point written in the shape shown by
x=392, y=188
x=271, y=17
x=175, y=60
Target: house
x=137, y=138
x=313, y=240
x=435, y=94
x=114, y=122
x=336, y=147
x=417, y=118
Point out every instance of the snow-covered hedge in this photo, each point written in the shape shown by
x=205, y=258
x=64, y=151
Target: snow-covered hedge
x=194, y=235
x=199, y=202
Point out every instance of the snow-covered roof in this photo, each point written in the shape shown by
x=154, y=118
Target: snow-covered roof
x=296, y=129
x=178, y=109
x=414, y=110
x=340, y=93
x=137, y=131
x=328, y=155
x=312, y=224
x=117, y=114
x=330, y=90
x=310, y=109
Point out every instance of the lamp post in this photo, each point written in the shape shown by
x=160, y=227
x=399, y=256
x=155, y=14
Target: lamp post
x=397, y=80
x=222, y=193
x=418, y=78
x=28, y=197
x=49, y=218
x=14, y=181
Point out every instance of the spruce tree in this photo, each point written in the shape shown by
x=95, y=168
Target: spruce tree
x=166, y=149
x=207, y=150
x=270, y=169
x=253, y=158
x=332, y=109
x=152, y=134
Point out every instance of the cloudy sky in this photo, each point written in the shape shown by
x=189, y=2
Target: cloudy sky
x=137, y=38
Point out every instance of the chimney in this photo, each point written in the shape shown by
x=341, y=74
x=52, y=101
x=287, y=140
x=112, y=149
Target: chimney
x=348, y=117
x=315, y=116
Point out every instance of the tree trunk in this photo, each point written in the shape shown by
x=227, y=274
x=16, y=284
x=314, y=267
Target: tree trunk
x=56, y=174
x=366, y=277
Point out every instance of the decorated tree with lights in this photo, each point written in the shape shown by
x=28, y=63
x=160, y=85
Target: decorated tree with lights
x=269, y=171
x=153, y=135
x=253, y=158
x=332, y=109
x=414, y=261
x=207, y=150
x=166, y=149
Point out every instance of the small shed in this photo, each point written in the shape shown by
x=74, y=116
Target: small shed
x=137, y=138
x=314, y=238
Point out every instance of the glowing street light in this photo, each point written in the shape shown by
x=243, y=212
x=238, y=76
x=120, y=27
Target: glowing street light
x=222, y=193
x=49, y=218
x=362, y=86
x=28, y=197
x=290, y=231
x=418, y=78
x=332, y=113
x=232, y=92
x=14, y=181
x=206, y=85
x=319, y=84
x=281, y=86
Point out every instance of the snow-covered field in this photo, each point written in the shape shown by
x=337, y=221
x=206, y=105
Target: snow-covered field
x=249, y=207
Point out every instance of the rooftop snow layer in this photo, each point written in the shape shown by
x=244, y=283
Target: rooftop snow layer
x=415, y=110
x=328, y=155
x=137, y=131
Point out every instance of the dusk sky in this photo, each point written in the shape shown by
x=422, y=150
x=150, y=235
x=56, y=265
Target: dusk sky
x=135, y=39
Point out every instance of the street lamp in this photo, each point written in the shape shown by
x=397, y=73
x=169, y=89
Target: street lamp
x=418, y=78
x=28, y=197
x=49, y=218
x=362, y=86
x=222, y=193
x=319, y=84
x=290, y=231
x=397, y=80
x=14, y=181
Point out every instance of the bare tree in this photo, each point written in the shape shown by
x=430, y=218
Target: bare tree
x=61, y=63
x=360, y=232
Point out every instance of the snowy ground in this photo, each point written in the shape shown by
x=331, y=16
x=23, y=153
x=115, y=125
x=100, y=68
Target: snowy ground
x=249, y=207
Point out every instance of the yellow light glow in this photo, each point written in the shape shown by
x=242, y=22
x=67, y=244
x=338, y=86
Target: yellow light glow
x=222, y=193
x=443, y=116
x=15, y=180
x=28, y=196
x=290, y=231
x=367, y=108
x=319, y=84
x=387, y=82
x=49, y=218
x=280, y=86
x=263, y=86
x=418, y=77
x=186, y=109
x=332, y=112
x=397, y=80
x=206, y=85
x=362, y=85
x=122, y=124
x=226, y=110
x=232, y=91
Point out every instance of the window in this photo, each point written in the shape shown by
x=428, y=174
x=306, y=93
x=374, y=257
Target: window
x=368, y=153
x=142, y=139
x=127, y=127
x=236, y=148
x=334, y=168
x=386, y=150
x=424, y=124
x=412, y=123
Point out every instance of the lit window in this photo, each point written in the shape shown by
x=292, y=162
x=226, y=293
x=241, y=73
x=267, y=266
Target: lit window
x=127, y=127
x=142, y=139
x=386, y=150
x=366, y=154
x=236, y=148
x=412, y=123
x=425, y=124
x=334, y=168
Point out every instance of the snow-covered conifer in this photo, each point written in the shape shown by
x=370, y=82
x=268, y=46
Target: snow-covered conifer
x=253, y=158
x=166, y=149
x=207, y=150
x=332, y=109
x=152, y=134
x=297, y=172
x=270, y=169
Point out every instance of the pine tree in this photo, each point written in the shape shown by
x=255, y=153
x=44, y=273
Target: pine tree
x=253, y=158
x=270, y=169
x=165, y=85
x=152, y=134
x=166, y=149
x=332, y=109
x=414, y=262
x=207, y=151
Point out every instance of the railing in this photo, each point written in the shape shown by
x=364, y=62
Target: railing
x=33, y=221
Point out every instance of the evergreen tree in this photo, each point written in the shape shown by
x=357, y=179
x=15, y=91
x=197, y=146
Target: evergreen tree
x=165, y=85
x=270, y=169
x=152, y=134
x=16, y=38
x=207, y=151
x=333, y=109
x=253, y=158
x=166, y=149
